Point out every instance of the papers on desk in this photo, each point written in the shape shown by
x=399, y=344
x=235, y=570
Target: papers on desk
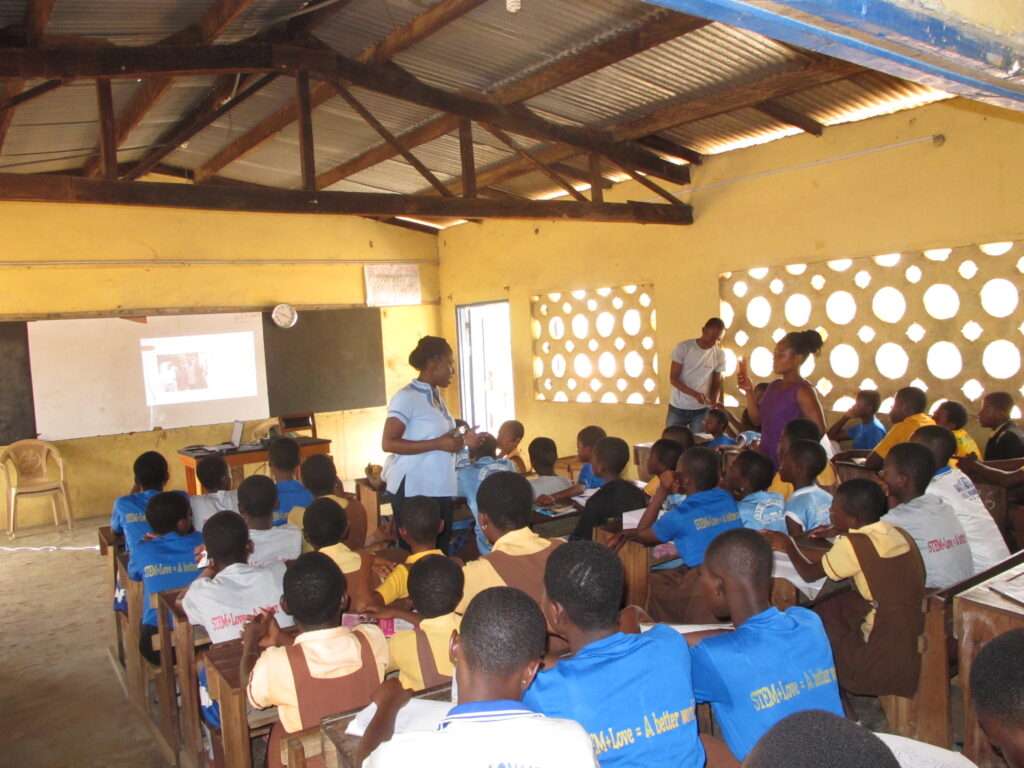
x=1011, y=589
x=558, y=510
x=416, y=715
x=631, y=519
x=584, y=497
x=784, y=569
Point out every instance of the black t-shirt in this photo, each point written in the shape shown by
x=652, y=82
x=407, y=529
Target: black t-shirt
x=1007, y=442
x=610, y=501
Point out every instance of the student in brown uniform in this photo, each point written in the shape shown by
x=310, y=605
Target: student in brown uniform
x=519, y=555
x=326, y=668
x=320, y=477
x=873, y=630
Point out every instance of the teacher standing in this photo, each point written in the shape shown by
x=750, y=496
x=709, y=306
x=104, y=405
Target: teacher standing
x=787, y=398
x=423, y=436
x=696, y=376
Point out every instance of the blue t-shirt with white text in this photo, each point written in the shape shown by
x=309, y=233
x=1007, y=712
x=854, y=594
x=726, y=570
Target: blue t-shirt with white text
x=167, y=562
x=588, y=478
x=763, y=510
x=129, y=517
x=695, y=523
x=469, y=478
x=632, y=694
x=772, y=665
x=290, y=494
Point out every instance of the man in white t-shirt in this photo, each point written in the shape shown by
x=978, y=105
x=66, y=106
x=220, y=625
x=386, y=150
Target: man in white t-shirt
x=696, y=376
x=230, y=590
x=987, y=544
x=257, y=500
x=215, y=477
x=930, y=520
x=496, y=653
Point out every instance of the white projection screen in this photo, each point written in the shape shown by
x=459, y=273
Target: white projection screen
x=111, y=376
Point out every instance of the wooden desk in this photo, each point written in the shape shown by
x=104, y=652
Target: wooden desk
x=237, y=459
x=339, y=749
x=227, y=688
x=110, y=544
x=636, y=564
x=979, y=614
x=370, y=498
x=848, y=470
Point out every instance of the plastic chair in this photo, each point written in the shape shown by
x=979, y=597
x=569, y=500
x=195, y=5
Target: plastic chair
x=264, y=429
x=30, y=461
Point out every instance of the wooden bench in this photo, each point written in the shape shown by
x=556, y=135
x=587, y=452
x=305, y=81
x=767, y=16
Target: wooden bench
x=110, y=544
x=928, y=715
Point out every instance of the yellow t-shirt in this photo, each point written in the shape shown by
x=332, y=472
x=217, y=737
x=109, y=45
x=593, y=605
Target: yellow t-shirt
x=405, y=655
x=965, y=444
x=902, y=432
x=396, y=585
x=346, y=559
x=297, y=513
x=841, y=561
x=329, y=653
x=480, y=574
x=652, y=486
x=827, y=479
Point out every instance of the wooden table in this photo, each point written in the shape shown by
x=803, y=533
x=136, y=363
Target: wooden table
x=641, y=451
x=110, y=545
x=339, y=749
x=370, y=498
x=236, y=459
x=979, y=614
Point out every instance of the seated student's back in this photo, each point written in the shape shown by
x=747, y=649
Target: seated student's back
x=326, y=523
x=518, y=555
x=953, y=416
x=613, y=682
x=421, y=655
x=229, y=590
x=283, y=458
x=808, y=505
x=543, y=457
x=997, y=692
x=949, y=483
x=496, y=653
x=774, y=663
x=585, y=442
x=320, y=477
x=215, y=477
x=164, y=562
x=617, y=495
x=421, y=524
x=483, y=462
x=808, y=739
x=329, y=668
x=129, y=515
x=748, y=478
x=257, y=501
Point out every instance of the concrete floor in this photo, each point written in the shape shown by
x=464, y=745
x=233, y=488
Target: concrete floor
x=60, y=702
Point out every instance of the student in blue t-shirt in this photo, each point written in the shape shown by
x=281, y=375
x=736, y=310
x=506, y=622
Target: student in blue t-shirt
x=482, y=463
x=808, y=506
x=868, y=432
x=129, y=515
x=586, y=439
x=631, y=692
x=748, y=478
x=715, y=423
x=164, y=561
x=283, y=458
x=706, y=512
x=774, y=663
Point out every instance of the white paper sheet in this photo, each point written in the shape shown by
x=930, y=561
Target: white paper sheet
x=585, y=496
x=416, y=715
x=783, y=569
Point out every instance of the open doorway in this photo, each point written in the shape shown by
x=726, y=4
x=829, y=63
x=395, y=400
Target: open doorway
x=485, y=364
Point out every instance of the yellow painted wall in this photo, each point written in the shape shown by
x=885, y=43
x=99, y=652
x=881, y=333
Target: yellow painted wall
x=100, y=468
x=967, y=190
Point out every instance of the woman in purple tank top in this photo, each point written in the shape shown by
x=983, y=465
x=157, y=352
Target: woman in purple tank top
x=787, y=398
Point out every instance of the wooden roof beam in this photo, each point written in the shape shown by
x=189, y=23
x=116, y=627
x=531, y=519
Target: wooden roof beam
x=217, y=18
x=666, y=147
x=37, y=16
x=584, y=177
x=790, y=117
x=417, y=29
x=70, y=189
x=507, y=140
x=560, y=72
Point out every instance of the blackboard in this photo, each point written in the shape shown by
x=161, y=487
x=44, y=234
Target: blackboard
x=17, y=408
x=330, y=360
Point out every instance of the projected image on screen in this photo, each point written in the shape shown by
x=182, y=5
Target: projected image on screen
x=191, y=369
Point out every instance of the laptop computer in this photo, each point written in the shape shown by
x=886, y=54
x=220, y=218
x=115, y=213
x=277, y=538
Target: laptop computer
x=234, y=443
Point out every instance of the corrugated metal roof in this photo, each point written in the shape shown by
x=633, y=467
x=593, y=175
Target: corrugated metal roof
x=485, y=49
x=487, y=45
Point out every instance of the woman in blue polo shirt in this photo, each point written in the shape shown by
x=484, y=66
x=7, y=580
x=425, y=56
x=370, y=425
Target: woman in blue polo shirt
x=422, y=435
